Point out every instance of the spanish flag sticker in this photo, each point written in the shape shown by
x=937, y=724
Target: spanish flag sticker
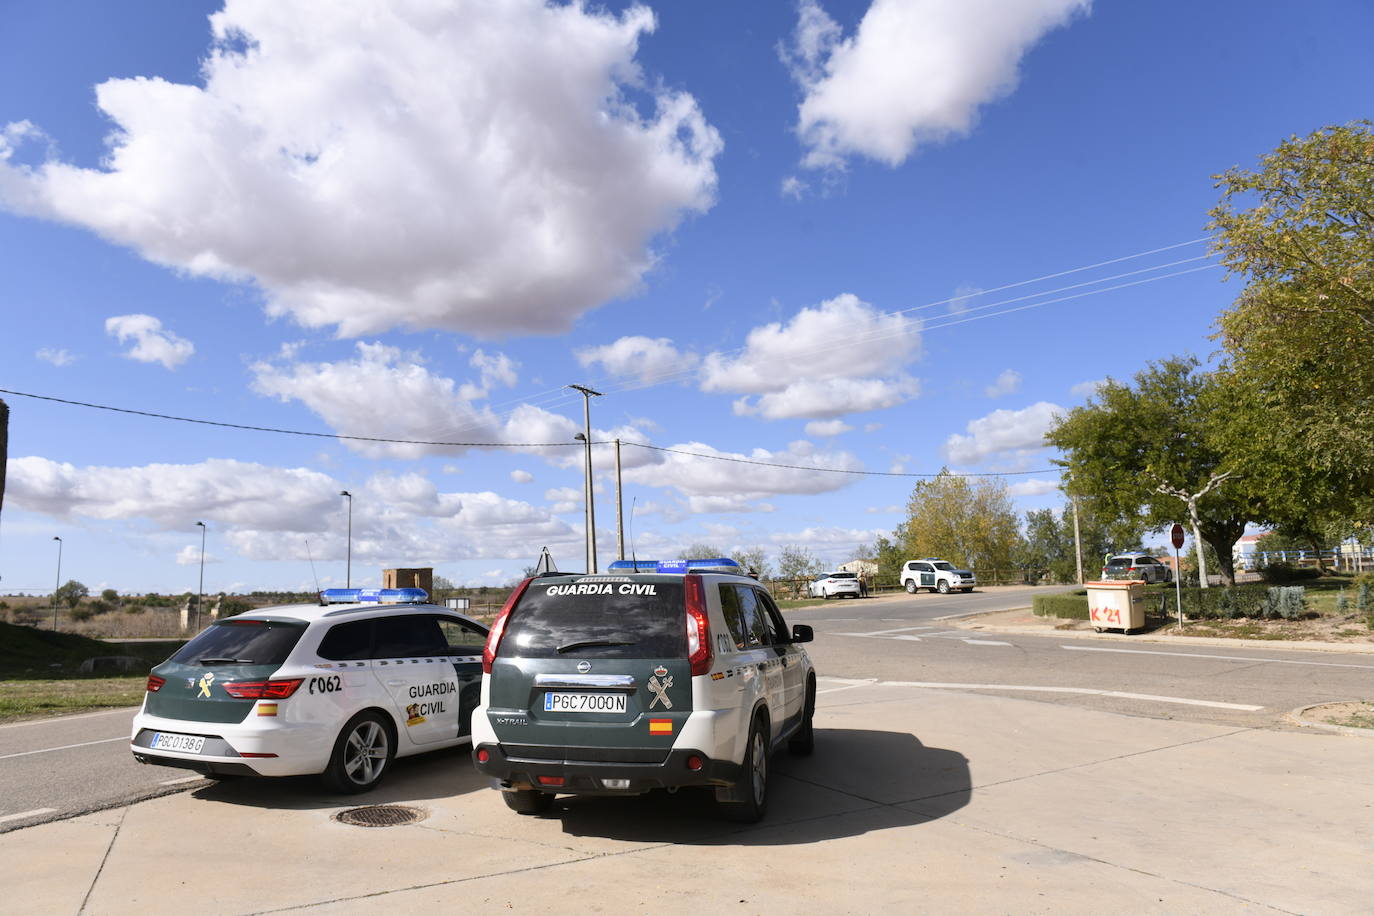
x=660, y=726
x=267, y=709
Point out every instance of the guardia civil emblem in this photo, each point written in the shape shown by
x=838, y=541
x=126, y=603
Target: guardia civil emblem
x=659, y=685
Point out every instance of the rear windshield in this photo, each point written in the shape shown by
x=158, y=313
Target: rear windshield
x=842, y=575
x=1119, y=561
x=242, y=642
x=608, y=619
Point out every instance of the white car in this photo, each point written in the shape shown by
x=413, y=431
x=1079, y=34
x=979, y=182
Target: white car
x=937, y=575
x=338, y=689
x=650, y=676
x=1137, y=566
x=835, y=584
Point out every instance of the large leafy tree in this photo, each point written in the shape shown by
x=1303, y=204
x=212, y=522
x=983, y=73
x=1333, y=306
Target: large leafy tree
x=1299, y=340
x=1152, y=454
x=968, y=521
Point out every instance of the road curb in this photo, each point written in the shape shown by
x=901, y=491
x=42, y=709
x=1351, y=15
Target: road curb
x=1296, y=718
x=1212, y=641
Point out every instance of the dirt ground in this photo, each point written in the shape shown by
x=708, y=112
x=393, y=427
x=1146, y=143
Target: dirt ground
x=1351, y=715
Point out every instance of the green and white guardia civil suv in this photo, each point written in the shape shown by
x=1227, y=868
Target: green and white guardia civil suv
x=652, y=675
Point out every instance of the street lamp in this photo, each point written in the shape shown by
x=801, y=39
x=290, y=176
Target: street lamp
x=348, y=574
x=57, y=584
x=200, y=589
x=586, y=438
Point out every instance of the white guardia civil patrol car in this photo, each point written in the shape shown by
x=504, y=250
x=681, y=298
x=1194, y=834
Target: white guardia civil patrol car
x=653, y=675
x=338, y=689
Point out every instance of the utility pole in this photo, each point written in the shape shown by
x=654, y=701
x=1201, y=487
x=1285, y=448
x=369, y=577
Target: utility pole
x=1077, y=541
x=586, y=437
x=200, y=589
x=58, y=584
x=348, y=569
x=619, y=509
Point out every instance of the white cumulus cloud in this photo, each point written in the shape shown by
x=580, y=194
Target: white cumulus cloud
x=649, y=359
x=472, y=166
x=914, y=72
x=841, y=356
x=1009, y=382
x=821, y=428
x=151, y=343
x=1034, y=487
x=1003, y=431
x=520, y=476
x=190, y=556
x=58, y=358
x=1087, y=389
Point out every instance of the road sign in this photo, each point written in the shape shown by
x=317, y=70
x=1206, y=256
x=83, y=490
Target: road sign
x=1176, y=535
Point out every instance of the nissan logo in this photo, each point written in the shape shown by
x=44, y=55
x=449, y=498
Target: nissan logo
x=584, y=667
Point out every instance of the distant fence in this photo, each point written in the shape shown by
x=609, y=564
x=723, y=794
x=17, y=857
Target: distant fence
x=1356, y=558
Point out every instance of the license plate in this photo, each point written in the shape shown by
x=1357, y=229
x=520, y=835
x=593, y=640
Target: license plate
x=584, y=702
x=190, y=744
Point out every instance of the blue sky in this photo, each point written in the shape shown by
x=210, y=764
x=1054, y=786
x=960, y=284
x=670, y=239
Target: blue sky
x=768, y=231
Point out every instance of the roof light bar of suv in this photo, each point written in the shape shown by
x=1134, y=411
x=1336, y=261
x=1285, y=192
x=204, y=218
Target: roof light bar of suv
x=374, y=596
x=721, y=564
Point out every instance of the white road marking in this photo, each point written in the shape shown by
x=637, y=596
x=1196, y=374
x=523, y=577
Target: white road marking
x=986, y=642
x=64, y=747
x=1086, y=691
x=23, y=814
x=127, y=710
x=176, y=782
x=848, y=684
x=1229, y=658
x=885, y=632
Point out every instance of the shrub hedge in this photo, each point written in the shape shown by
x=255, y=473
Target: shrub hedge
x=1067, y=606
x=1251, y=600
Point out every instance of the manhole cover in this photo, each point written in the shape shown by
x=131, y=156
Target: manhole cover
x=380, y=816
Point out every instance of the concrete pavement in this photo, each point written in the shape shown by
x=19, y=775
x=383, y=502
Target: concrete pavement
x=914, y=800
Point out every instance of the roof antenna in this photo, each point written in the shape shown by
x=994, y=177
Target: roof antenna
x=312, y=570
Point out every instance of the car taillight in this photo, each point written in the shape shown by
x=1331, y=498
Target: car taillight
x=498, y=629
x=155, y=683
x=698, y=629
x=263, y=690
x=483, y=755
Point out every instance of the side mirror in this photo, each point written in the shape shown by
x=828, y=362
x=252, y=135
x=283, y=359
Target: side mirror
x=802, y=633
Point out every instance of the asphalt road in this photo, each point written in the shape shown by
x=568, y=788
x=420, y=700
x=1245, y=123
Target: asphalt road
x=903, y=640
x=58, y=768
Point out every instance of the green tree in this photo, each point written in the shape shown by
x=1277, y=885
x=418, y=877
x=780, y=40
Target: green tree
x=700, y=551
x=968, y=521
x=756, y=559
x=1299, y=340
x=110, y=597
x=797, y=562
x=1044, y=545
x=1149, y=454
x=889, y=557
x=71, y=593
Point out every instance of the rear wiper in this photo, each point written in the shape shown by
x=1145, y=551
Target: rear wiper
x=225, y=661
x=589, y=643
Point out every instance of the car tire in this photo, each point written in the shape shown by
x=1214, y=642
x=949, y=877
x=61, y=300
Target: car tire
x=943, y=587
x=803, y=740
x=528, y=801
x=966, y=590
x=911, y=586
x=825, y=596
x=355, y=766
x=754, y=778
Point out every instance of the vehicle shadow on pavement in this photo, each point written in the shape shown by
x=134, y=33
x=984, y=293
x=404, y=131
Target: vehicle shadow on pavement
x=439, y=774
x=857, y=781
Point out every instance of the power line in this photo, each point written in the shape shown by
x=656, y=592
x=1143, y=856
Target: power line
x=644, y=445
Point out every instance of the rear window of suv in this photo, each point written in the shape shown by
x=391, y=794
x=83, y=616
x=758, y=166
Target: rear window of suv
x=1120, y=561
x=598, y=620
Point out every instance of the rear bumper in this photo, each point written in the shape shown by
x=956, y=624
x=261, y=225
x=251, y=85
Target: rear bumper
x=587, y=777
x=296, y=750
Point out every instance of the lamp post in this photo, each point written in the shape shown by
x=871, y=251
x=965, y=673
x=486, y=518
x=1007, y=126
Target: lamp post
x=586, y=437
x=200, y=589
x=348, y=568
x=58, y=583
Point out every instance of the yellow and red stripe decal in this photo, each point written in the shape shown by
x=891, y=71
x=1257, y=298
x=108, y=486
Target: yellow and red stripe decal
x=660, y=726
x=267, y=709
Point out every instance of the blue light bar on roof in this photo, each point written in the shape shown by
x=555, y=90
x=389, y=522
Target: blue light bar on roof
x=374, y=596
x=671, y=566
